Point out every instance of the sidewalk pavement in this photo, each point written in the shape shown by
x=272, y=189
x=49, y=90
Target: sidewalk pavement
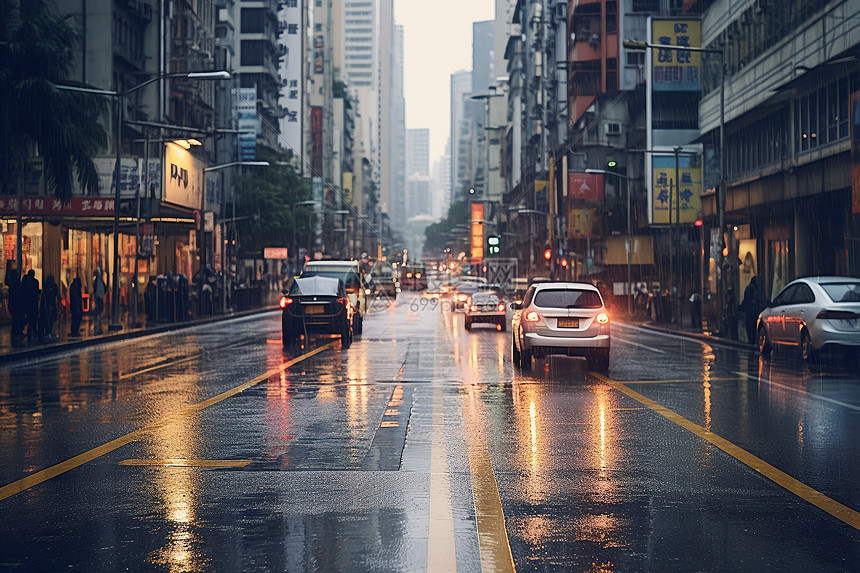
x=701, y=334
x=96, y=330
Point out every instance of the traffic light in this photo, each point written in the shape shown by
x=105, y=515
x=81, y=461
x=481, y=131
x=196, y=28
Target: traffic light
x=547, y=254
x=494, y=244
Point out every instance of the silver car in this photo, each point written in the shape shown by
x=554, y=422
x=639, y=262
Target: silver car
x=813, y=314
x=561, y=318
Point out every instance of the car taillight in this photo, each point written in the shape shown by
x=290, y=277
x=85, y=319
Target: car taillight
x=501, y=307
x=343, y=301
x=473, y=308
x=837, y=314
x=602, y=318
x=462, y=297
x=285, y=302
x=532, y=317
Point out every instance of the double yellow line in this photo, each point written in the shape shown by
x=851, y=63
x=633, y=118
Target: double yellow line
x=88, y=456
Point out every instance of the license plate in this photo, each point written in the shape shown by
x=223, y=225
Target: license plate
x=568, y=323
x=314, y=309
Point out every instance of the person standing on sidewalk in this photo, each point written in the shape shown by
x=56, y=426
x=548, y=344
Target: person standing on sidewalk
x=48, y=310
x=30, y=300
x=16, y=306
x=76, y=306
x=99, y=290
x=752, y=305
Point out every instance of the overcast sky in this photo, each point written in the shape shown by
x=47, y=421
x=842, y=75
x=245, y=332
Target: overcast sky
x=437, y=38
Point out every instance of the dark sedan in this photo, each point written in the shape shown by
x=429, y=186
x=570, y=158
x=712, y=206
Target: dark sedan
x=316, y=305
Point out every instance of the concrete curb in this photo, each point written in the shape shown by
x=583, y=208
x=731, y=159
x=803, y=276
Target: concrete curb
x=23, y=354
x=699, y=336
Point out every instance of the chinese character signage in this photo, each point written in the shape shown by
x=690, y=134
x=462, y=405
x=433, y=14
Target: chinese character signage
x=292, y=65
x=676, y=70
x=686, y=205
x=249, y=123
x=75, y=207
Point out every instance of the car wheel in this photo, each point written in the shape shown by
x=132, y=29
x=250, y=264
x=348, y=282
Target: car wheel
x=345, y=336
x=504, y=325
x=515, y=354
x=525, y=359
x=468, y=324
x=763, y=342
x=807, y=351
x=598, y=360
x=359, y=324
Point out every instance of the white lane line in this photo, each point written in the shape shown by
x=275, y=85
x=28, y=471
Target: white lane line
x=651, y=332
x=631, y=343
x=798, y=391
x=441, y=550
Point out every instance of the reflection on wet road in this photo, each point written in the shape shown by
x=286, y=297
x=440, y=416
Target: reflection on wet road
x=421, y=448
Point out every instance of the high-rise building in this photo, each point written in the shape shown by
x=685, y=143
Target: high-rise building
x=461, y=87
x=419, y=188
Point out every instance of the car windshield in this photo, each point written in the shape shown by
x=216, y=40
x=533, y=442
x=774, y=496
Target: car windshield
x=843, y=292
x=567, y=298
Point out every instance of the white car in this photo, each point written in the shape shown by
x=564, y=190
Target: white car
x=561, y=318
x=813, y=314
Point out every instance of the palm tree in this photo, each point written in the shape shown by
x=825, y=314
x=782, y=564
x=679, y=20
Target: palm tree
x=60, y=127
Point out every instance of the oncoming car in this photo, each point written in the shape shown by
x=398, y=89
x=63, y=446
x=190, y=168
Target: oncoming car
x=561, y=318
x=813, y=315
x=485, y=307
x=316, y=305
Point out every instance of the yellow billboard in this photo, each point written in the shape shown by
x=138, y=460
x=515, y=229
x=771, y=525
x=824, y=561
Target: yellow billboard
x=684, y=200
x=676, y=70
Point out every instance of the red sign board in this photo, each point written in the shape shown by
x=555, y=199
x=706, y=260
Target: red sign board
x=76, y=206
x=276, y=253
x=585, y=186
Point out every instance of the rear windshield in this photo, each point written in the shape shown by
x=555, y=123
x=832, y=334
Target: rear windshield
x=349, y=278
x=843, y=292
x=484, y=298
x=567, y=298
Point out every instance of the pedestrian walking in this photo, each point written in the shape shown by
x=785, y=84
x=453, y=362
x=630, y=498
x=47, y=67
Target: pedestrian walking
x=16, y=306
x=30, y=302
x=48, y=309
x=753, y=303
x=696, y=310
x=730, y=315
x=76, y=306
x=99, y=289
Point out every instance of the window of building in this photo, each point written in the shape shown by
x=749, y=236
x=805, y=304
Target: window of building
x=611, y=17
x=252, y=52
x=252, y=20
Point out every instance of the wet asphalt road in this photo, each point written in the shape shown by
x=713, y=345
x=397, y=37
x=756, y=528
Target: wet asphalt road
x=421, y=448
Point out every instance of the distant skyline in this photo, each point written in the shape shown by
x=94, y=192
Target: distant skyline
x=437, y=42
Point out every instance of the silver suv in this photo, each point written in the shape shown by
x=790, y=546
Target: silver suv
x=561, y=318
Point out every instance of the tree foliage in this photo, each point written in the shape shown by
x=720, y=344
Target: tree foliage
x=266, y=198
x=437, y=233
x=36, y=118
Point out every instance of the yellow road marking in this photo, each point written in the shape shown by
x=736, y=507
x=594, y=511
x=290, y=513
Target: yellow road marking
x=160, y=365
x=183, y=463
x=441, y=550
x=679, y=381
x=800, y=489
x=493, y=540
x=50, y=472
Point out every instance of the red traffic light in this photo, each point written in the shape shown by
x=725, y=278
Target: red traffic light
x=699, y=223
x=547, y=254
x=564, y=262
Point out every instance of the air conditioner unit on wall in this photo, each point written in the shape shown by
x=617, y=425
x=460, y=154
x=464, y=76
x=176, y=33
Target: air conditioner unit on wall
x=612, y=128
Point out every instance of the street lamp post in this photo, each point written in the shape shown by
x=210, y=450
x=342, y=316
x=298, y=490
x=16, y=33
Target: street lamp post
x=293, y=212
x=120, y=96
x=721, y=189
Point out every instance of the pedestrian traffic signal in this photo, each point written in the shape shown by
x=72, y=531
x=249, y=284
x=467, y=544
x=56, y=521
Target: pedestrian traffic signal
x=494, y=244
